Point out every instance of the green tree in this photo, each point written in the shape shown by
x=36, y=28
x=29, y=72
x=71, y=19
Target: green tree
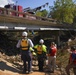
x=38, y=13
x=42, y=13
x=63, y=11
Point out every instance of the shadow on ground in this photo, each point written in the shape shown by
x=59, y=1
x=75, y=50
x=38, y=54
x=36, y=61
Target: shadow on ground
x=5, y=66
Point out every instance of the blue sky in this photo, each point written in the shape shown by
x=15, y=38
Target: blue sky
x=27, y=3
x=34, y=3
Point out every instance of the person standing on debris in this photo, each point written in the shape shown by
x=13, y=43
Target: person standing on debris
x=24, y=44
x=52, y=57
x=41, y=51
x=72, y=61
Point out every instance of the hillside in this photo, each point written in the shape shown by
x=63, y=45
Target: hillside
x=12, y=66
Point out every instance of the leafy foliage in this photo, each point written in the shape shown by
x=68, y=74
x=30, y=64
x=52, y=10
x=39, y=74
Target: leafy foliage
x=64, y=11
x=42, y=13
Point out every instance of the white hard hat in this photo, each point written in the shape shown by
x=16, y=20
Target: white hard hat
x=24, y=34
x=41, y=41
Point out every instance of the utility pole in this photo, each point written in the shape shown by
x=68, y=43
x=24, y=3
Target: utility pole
x=16, y=2
x=49, y=13
x=16, y=8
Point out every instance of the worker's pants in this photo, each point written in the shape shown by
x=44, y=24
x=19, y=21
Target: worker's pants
x=27, y=60
x=51, y=63
x=27, y=66
x=40, y=62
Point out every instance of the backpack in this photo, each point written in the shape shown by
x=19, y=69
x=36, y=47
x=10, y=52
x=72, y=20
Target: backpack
x=73, y=56
x=24, y=44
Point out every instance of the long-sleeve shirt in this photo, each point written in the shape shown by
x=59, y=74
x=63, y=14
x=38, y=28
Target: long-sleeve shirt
x=44, y=48
x=29, y=42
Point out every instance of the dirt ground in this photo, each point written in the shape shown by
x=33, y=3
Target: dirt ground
x=6, y=72
x=7, y=68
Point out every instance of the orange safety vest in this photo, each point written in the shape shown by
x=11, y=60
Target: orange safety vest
x=24, y=44
x=39, y=49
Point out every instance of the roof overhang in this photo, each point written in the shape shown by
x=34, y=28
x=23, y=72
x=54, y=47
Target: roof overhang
x=19, y=28
x=57, y=29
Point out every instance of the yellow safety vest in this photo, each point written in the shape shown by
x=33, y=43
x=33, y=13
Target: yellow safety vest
x=24, y=44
